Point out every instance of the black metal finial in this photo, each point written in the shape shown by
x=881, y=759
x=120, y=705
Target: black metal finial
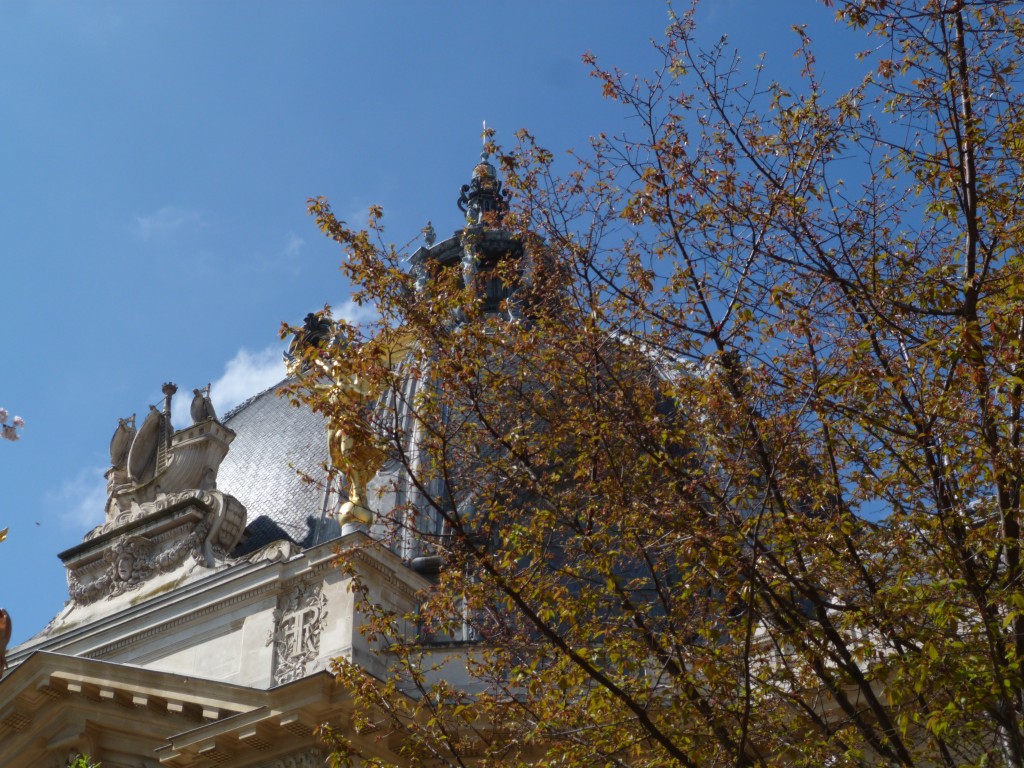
x=316, y=329
x=483, y=193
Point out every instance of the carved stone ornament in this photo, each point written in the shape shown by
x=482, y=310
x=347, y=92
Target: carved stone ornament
x=298, y=623
x=193, y=527
x=280, y=551
x=163, y=509
x=131, y=560
x=202, y=407
x=226, y=507
x=157, y=459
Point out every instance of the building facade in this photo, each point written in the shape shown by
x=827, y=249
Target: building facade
x=204, y=613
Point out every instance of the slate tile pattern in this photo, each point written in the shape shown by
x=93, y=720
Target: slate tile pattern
x=274, y=442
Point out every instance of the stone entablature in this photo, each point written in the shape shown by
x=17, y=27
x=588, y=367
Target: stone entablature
x=56, y=706
x=186, y=677
x=216, y=623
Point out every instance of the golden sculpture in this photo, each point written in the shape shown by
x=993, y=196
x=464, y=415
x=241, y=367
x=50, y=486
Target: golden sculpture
x=354, y=445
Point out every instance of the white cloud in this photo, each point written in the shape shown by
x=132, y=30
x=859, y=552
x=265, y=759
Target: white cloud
x=78, y=503
x=293, y=246
x=246, y=374
x=358, y=218
x=181, y=407
x=353, y=313
x=167, y=219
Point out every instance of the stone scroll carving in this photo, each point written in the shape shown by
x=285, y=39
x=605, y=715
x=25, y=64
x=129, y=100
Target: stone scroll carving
x=298, y=623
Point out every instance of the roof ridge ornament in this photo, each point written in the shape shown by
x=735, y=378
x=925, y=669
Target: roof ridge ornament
x=483, y=194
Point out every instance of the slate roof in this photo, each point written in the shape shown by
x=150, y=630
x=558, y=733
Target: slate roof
x=274, y=442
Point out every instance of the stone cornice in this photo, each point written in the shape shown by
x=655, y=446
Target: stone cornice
x=242, y=582
x=168, y=508
x=193, y=616
x=181, y=721
x=396, y=574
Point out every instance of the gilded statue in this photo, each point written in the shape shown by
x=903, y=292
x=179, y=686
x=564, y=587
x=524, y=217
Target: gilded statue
x=353, y=444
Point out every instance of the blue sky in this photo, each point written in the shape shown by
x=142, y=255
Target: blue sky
x=155, y=161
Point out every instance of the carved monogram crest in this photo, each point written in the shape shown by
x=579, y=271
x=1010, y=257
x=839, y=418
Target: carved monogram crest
x=298, y=622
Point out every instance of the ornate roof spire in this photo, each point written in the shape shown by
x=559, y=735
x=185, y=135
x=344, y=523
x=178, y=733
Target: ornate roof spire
x=483, y=193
